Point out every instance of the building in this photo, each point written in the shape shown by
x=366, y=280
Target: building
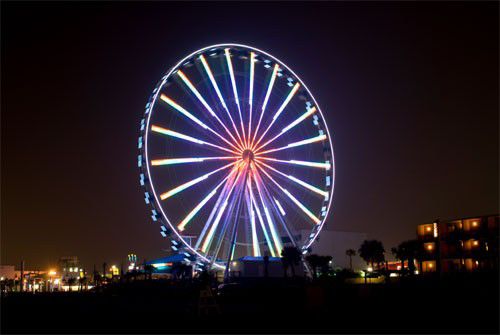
x=69, y=269
x=254, y=267
x=460, y=245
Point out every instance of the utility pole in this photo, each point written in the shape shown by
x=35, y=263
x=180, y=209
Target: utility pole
x=21, y=285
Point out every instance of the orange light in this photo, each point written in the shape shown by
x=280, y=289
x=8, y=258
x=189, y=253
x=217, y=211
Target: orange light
x=475, y=243
x=430, y=247
x=474, y=224
x=431, y=265
x=428, y=228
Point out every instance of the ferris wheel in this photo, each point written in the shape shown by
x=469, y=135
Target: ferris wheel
x=235, y=155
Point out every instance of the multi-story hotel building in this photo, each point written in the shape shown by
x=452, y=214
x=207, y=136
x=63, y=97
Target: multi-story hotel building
x=461, y=245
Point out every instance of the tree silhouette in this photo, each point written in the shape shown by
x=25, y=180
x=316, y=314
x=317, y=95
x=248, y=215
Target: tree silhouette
x=314, y=262
x=350, y=253
x=148, y=270
x=290, y=256
x=407, y=251
x=372, y=251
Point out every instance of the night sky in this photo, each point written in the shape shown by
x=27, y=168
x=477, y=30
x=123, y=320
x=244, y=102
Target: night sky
x=410, y=92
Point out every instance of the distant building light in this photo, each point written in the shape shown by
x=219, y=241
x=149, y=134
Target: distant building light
x=435, y=229
x=431, y=265
x=475, y=243
x=369, y=269
x=399, y=267
x=428, y=228
x=477, y=262
x=52, y=273
x=393, y=274
x=474, y=223
x=2, y=278
x=430, y=247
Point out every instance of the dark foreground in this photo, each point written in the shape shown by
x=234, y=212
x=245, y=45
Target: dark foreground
x=457, y=305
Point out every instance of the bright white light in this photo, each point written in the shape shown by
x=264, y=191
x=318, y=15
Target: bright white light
x=217, y=90
x=204, y=103
x=268, y=93
x=182, y=111
x=172, y=133
x=235, y=90
x=280, y=110
x=296, y=144
x=300, y=182
x=290, y=126
x=171, y=161
x=282, y=211
x=192, y=182
x=262, y=224
x=297, y=202
x=210, y=234
x=250, y=94
x=325, y=165
x=274, y=234
x=195, y=210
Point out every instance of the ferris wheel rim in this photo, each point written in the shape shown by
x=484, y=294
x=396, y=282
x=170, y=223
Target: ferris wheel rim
x=149, y=111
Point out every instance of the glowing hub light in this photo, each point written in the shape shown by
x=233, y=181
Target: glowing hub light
x=235, y=186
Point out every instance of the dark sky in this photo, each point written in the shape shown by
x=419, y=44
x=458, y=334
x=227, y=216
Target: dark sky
x=410, y=91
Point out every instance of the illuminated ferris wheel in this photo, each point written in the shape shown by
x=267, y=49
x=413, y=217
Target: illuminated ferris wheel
x=235, y=156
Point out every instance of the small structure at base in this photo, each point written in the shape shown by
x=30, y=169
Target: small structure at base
x=256, y=267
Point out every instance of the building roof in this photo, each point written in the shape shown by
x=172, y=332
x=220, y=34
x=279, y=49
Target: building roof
x=258, y=259
x=169, y=259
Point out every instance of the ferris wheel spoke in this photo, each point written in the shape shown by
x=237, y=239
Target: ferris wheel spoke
x=294, y=200
x=290, y=126
x=280, y=110
x=266, y=99
x=172, y=161
x=188, y=138
x=251, y=214
x=235, y=90
x=274, y=234
x=298, y=181
x=278, y=209
x=193, y=118
x=219, y=94
x=208, y=238
x=326, y=165
x=262, y=223
x=218, y=203
x=181, y=226
x=190, y=183
x=193, y=89
x=315, y=139
x=250, y=94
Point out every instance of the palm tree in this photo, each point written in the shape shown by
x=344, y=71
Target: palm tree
x=314, y=262
x=400, y=255
x=350, y=253
x=372, y=251
x=290, y=256
x=324, y=264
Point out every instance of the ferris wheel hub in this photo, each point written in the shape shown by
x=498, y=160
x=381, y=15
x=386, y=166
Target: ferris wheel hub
x=247, y=155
